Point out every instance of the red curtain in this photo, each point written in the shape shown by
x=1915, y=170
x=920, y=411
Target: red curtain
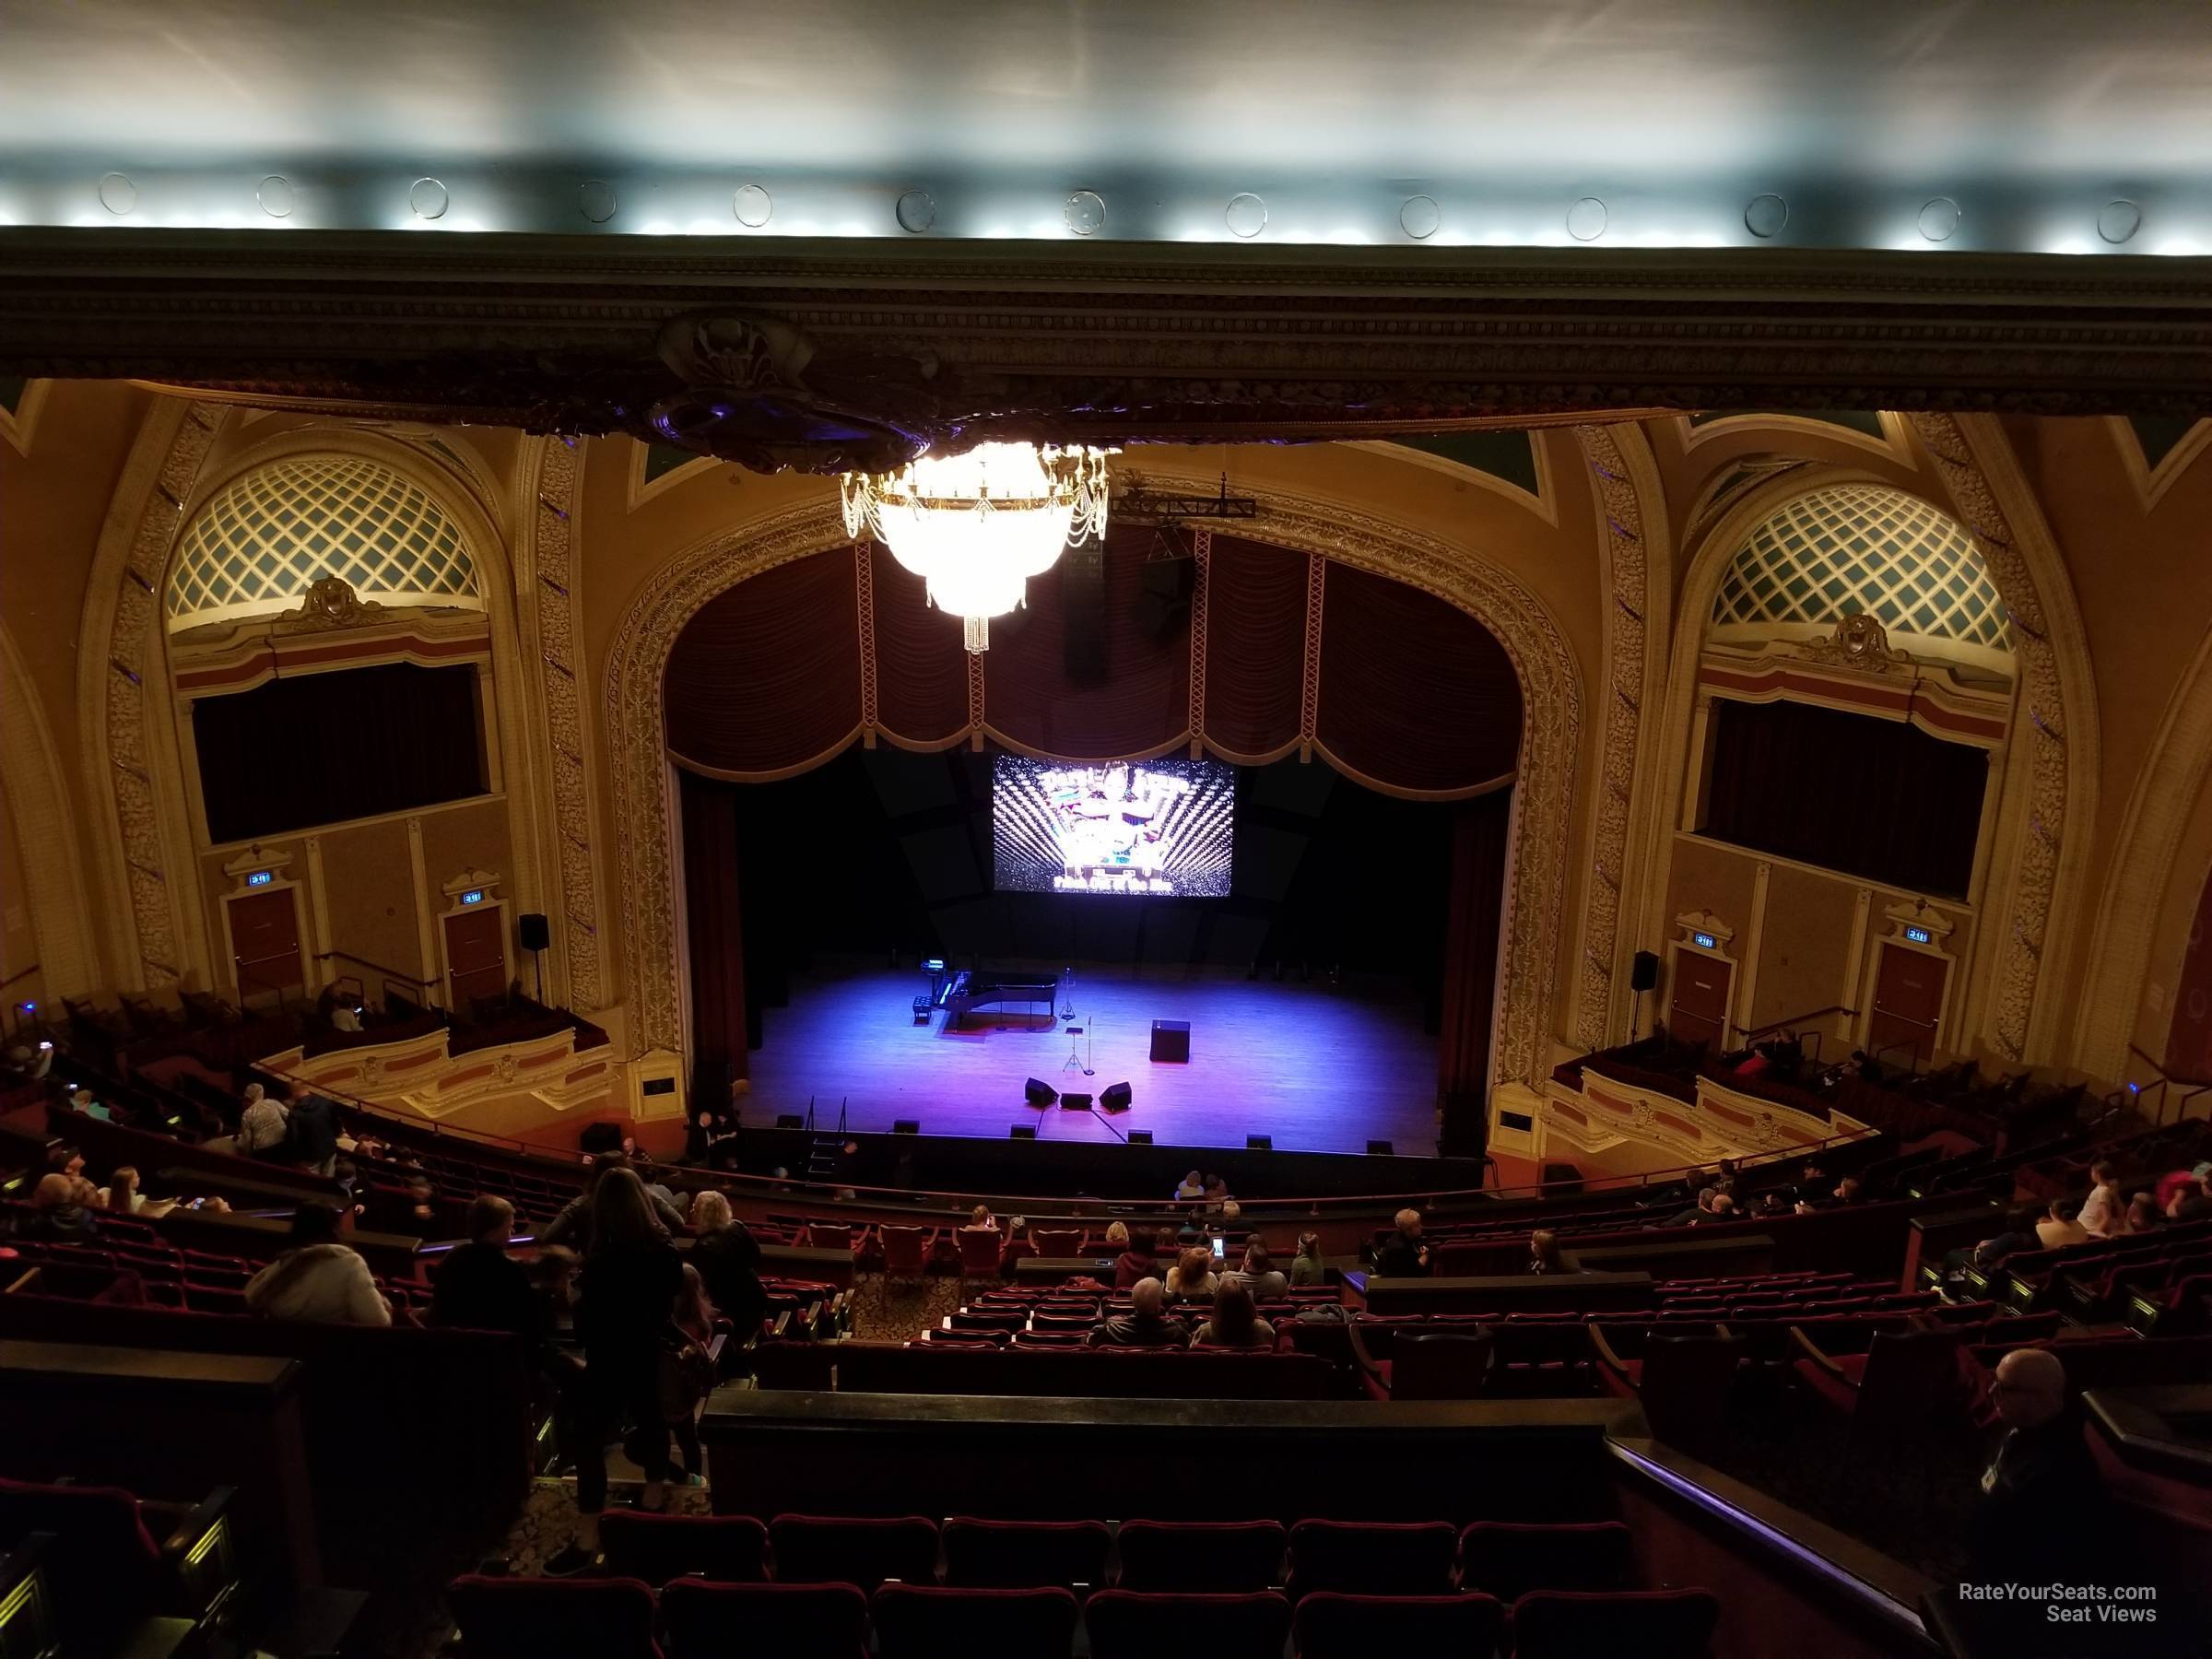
x=1476, y=903
x=714, y=920
x=767, y=676
x=920, y=664
x=1255, y=646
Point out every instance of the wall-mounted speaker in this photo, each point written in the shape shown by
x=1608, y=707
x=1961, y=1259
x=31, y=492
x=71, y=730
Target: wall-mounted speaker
x=1038, y=1092
x=534, y=931
x=1643, y=972
x=906, y=1127
x=1116, y=1098
x=1022, y=1132
x=1259, y=1143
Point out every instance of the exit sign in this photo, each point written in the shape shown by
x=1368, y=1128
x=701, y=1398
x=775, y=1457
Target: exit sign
x=1919, y=935
x=261, y=878
x=473, y=895
x=1704, y=941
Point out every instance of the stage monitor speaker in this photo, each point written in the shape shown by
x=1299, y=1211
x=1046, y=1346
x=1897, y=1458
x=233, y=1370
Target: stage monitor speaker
x=1022, y=1132
x=1038, y=1092
x=906, y=1126
x=1171, y=1039
x=1643, y=972
x=1259, y=1143
x=790, y=1120
x=601, y=1137
x=1140, y=1137
x=1075, y=1102
x=1116, y=1098
x=534, y=931
x=1378, y=1148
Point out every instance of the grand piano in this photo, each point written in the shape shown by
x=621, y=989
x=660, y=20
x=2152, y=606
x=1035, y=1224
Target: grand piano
x=985, y=988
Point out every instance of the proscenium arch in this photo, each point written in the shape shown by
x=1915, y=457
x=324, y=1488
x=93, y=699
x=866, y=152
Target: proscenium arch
x=1529, y=926
x=2002, y=939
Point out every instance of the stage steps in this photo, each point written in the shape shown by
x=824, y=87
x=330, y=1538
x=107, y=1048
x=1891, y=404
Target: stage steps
x=821, y=1161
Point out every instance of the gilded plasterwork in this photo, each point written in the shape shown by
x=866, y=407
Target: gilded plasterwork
x=1530, y=926
x=556, y=567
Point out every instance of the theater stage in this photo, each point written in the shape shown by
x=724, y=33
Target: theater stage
x=1319, y=1069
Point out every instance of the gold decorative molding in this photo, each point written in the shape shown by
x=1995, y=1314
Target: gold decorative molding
x=1620, y=536
x=2152, y=482
x=556, y=570
x=1309, y=682
x=1202, y=559
x=2057, y=727
x=38, y=803
x=1859, y=641
x=647, y=849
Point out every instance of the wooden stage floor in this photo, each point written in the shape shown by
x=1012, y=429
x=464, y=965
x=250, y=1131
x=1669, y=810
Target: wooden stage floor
x=1321, y=1070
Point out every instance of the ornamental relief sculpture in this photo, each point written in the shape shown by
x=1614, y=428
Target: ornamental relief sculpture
x=1530, y=924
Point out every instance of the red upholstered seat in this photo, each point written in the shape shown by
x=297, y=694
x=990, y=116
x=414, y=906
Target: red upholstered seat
x=815, y=1549
x=1373, y=1557
x=1508, y=1560
x=530, y=1617
x=104, y=1567
x=1649, y=1624
x=1130, y=1624
x=1334, y=1626
x=917, y=1621
x=791, y=1622
x=1202, y=1556
x=1023, y=1555
x=656, y=1548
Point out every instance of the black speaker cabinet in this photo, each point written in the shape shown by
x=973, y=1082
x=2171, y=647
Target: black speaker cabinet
x=1171, y=1039
x=1643, y=972
x=1021, y=1132
x=1116, y=1098
x=906, y=1126
x=1038, y=1092
x=1075, y=1102
x=535, y=932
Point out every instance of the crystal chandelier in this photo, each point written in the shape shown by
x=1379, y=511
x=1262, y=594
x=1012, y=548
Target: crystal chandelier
x=975, y=527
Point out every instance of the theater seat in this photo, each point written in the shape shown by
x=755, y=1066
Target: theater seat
x=1906, y=1382
x=816, y=1549
x=1373, y=1557
x=918, y=1621
x=1129, y=1624
x=1025, y=1555
x=1202, y=1556
x=104, y=1567
x=791, y=1622
x=530, y=1617
x=1508, y=1560
x=1648, y=1624
x=656, y=1548
x=1332, y=1626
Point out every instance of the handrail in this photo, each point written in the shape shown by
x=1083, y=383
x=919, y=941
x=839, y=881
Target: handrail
x=20, y=973
x=910, y=1198
x=362, y=962
x=1776, y=1025
x=2163, y=1085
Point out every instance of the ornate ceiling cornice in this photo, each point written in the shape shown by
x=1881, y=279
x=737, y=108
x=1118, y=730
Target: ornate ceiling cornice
x=812, y=352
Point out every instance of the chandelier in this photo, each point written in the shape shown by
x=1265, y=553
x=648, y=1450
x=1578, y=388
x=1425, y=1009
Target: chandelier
x=976, y=526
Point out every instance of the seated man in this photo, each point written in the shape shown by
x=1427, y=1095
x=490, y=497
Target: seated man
x=1146, y=1325
x=2040, y=1517
x=2058, y=1227
x=481, y=1288
x=58, y=1210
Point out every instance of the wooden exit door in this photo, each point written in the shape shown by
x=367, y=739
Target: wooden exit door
x=476, y=956
x=1699, y=1009
x=265, y=945
x=1908, y=1002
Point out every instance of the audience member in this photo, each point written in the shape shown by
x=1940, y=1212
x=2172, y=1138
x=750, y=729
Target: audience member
x=1258, y=1275
x=480, y=1287
x=1193, y=1185
x=64, y=1159
x=1133, y=1260
x=698, y=1133
x=82, y=1101
x=1307, y=1267
x=1193, y=1279
x=1402, y=1255
x=1216, y=1194
x=1147, y=1324
x=626, y=1295
x=2019, y=1235
x=312, y=1121
x=1543, y=1251
x=2142, y=1215
x=2058, y=1227
x=2043, y=1504
x=2193, y=1207
x=2176, y=1185
x=318, y=1278
x=2100, y=1211
x=573, y=1225
x=58, y=1211
x=728, y=1259
x=27, y=1065
x=1235, y=1321
x=121, y=1196
x=262, y=1126
x=688, y=1370
x=553, y=1280
x=1847, y=1191
x=980, y=1219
